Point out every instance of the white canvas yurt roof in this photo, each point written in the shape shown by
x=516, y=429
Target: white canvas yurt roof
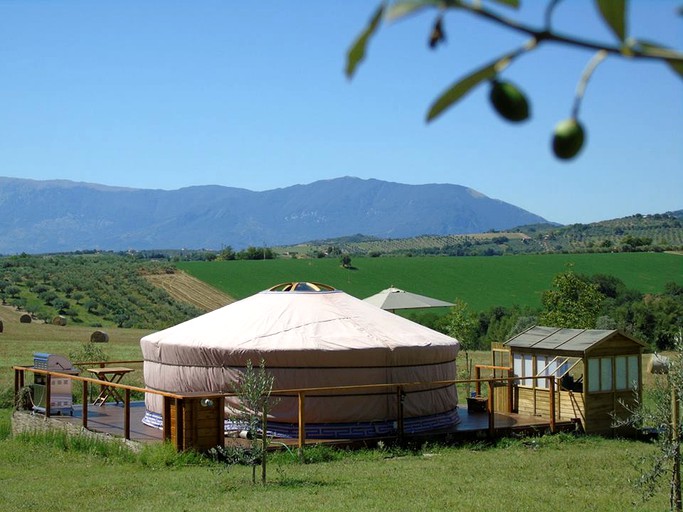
x=308, y=335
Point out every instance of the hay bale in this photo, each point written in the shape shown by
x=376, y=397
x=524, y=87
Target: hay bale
x=1, y=326
x=25, y=318
x=658, y=364
x=99, y=337
x=59, y=320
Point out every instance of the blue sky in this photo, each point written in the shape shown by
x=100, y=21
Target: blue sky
x=168, y=94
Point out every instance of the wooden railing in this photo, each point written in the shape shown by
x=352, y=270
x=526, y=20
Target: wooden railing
x=301, y=393
x=553, y=388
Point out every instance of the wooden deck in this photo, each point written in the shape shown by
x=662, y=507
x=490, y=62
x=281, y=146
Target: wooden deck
x=109, y=419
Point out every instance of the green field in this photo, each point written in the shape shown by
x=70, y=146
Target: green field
x=481, y=282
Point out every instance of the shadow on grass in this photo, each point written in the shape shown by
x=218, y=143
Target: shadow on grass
x=300, y=483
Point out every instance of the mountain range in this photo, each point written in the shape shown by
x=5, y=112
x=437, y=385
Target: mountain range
x=64, y=216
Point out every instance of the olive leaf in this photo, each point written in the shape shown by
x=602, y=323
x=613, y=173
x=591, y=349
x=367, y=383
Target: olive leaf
x=357, y=51
x=460, y=88
x=614, y=14
x=675, y=65
x=508, y=3
x=403, y=8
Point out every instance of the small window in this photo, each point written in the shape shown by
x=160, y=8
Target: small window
x=593, y=374
x=633, y=376
x=605, y=374
x=528, y=369
x=626, y=368
x=621, y=374
x=518, y=365
x=599, y=374
x=523, y=367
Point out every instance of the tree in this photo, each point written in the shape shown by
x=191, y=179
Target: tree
x=253, y=391
x=13, y=291
x=662, y=412
x=256, y=253
x=522, y=324
x=345, y=261
x=572, y=303
x=655, y=318
x=226, y=254
x=461, y=325
x=506, y=98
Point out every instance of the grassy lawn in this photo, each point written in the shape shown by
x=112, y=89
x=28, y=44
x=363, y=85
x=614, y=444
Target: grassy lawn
x=481, y=282
x=19, y=341
x=552, y=473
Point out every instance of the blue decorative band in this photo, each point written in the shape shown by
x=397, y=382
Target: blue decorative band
x=358, y=430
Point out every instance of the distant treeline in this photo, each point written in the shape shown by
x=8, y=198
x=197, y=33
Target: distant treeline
x=655, y=319
x=636, y=233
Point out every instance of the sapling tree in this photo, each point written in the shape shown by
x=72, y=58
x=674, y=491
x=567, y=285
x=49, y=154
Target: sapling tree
x=461, y=325
x=507, y=98
x=253, y=391
x=661, y=412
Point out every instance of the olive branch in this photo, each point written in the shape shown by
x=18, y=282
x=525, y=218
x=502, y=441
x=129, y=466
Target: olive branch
x=507, y=99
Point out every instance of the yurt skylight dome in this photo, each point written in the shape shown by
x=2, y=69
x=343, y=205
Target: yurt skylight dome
x=300, y=286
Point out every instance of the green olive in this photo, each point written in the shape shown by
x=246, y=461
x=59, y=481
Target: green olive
x=509, y=101
x=568, y=139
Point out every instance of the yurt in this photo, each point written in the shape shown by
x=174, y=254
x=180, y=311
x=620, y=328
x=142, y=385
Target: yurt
x=310, y=336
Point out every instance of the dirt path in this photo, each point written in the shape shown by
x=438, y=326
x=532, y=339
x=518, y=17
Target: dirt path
x=185, y=288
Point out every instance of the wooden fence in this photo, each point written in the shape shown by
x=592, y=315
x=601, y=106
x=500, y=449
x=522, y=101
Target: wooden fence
x=180, y=409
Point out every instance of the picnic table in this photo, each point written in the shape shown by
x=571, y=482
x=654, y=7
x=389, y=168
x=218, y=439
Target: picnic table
x=112, y=374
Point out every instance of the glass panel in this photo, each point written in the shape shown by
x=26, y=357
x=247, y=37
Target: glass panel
x=605, y=374
x=593, y=374
x=517, y=365
x=632, y=372
x=552, y=369
x=540, y=364
x=528, y=369
x=620, y=369
x=541, y=361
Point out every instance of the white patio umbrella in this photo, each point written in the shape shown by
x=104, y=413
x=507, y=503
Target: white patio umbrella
x=392, y=299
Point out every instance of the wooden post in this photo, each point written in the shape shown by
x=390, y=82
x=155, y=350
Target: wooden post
x=400, y=396
x=48, y=394
x=166, y=418
x=551, y=390
x=85, y=404
x=509, y=389
x=17, y=379
x=491, y=410
x=179, y=405
x=477, y=375
x=126, y=414
x=302, y=424
x=676, y=502
x=264, y=441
